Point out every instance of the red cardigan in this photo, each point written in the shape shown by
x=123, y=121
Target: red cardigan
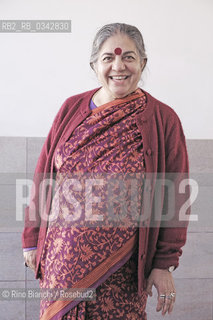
x=164, y=152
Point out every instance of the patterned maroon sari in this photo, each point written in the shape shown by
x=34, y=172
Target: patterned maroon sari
x=102, y=256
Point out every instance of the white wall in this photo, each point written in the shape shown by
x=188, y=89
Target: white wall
x=39, y=71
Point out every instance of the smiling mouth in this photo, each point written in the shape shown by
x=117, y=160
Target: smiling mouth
x=118, y=77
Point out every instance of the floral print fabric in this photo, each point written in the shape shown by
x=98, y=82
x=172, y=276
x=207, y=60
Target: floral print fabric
x=116, y=298
x=107, y=142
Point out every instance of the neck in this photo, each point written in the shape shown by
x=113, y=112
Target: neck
x=101, y=97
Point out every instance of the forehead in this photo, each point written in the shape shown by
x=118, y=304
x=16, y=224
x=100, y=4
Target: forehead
x=118, y=41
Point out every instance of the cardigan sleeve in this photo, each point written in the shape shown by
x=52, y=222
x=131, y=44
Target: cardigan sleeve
x=172, y=233
x=32, y=216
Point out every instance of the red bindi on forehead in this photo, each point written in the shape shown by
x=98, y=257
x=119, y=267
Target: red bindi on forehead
x=118, y=51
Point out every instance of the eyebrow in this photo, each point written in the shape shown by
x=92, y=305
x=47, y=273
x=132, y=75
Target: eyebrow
x=112, y=54
x=128, y=52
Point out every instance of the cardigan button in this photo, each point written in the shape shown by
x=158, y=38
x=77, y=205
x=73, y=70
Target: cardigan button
x=149, y=152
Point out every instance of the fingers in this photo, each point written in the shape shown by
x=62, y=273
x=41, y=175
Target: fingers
x=163, y=281
x=171, y=306
x=161, y=301
x=166, y=302
x=30, y=259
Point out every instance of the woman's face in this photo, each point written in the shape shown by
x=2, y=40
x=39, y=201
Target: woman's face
x=119, y=71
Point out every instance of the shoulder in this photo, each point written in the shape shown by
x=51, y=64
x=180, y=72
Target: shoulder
x=163, y=117
x=72, y=103
x=72, y=100
x=162, y=113
x=159, y=106
x=79, y=96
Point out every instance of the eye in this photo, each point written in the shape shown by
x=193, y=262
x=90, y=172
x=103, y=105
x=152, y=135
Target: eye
x=107, y=58
x=129, y=58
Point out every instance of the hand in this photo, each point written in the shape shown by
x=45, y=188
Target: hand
x=164, y=283
x=30, y=258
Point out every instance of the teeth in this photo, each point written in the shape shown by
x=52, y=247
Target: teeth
x=119, y=77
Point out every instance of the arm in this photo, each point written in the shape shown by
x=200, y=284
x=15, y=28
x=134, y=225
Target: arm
x=172, y=233
x=32, y=216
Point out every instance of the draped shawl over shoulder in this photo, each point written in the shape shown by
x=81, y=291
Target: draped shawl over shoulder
x=164, y=154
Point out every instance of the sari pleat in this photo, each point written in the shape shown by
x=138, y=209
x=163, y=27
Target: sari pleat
x=100, y=254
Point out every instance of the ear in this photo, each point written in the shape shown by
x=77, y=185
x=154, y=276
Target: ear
x=143, y=64
x=95, y=67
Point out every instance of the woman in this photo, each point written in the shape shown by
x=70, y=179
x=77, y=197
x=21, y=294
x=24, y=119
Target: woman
x=115, y=129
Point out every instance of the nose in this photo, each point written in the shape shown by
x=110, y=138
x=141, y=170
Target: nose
x=118, y=64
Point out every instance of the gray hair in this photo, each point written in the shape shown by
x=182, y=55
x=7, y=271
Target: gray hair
x=110, y=30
